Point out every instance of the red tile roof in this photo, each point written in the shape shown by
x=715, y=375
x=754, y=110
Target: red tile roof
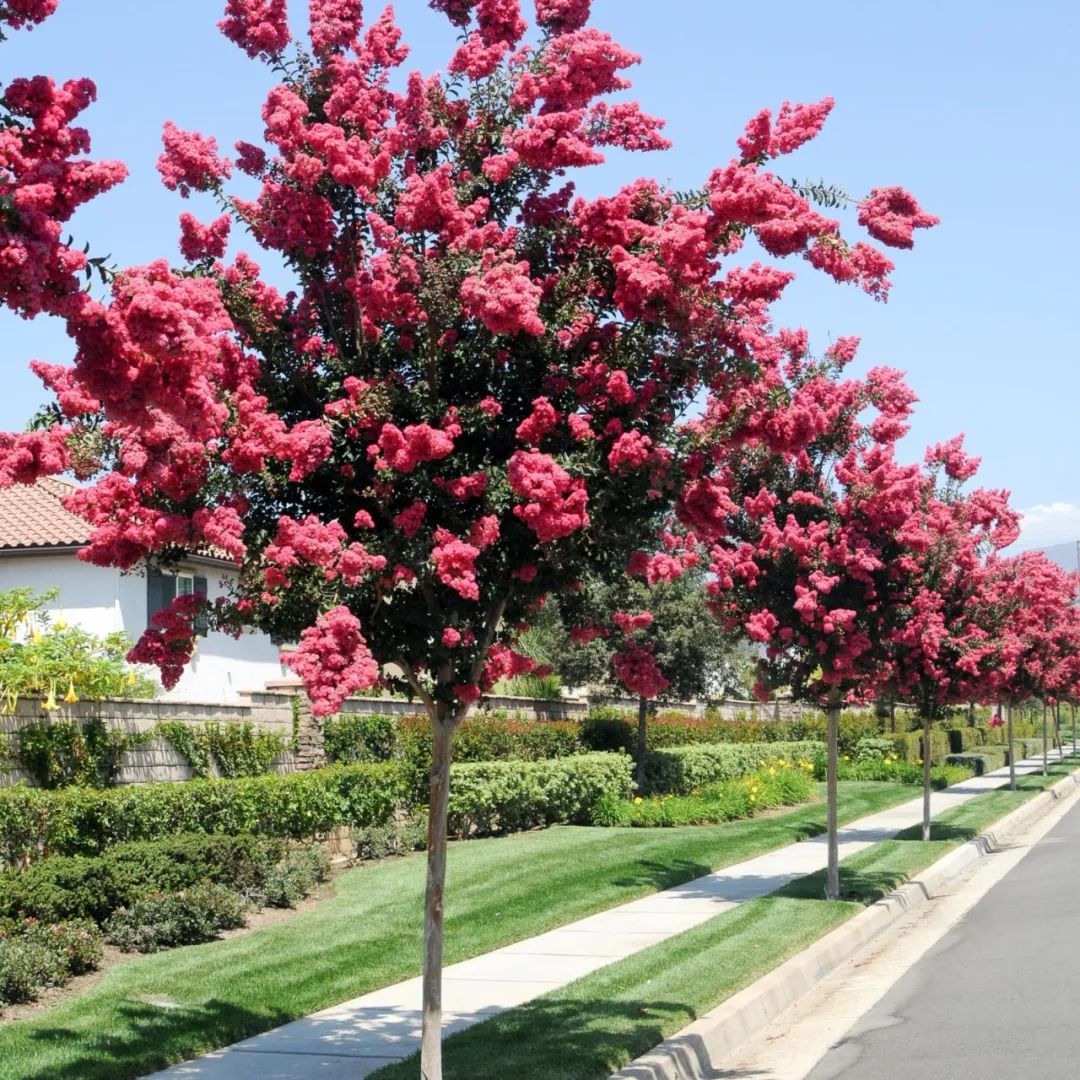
x=31, y=517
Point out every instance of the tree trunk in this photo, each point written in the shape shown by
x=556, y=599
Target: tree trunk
x=1012, y=749
x=642, y=739
x=1045, y=752
x=442, y=725
x=1072, y=705
x=832, y=875
x=926, y=777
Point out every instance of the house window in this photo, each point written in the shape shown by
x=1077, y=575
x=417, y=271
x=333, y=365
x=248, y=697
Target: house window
x=162, y=589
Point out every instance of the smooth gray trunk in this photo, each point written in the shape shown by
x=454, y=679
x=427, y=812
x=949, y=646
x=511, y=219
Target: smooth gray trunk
x=1012, y=749
x=442, y=733
x=832, y=874
x=642, y=740
x=926, y=778
x=1046, y=753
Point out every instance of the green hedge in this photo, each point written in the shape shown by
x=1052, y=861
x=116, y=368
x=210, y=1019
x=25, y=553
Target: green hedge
x=297, y=806
x=909, y=745
x=80, y=887
x=682, y=770
x=501, y=796
x=983, y=760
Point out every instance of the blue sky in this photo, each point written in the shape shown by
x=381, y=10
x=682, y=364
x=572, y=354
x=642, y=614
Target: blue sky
x=973, y=107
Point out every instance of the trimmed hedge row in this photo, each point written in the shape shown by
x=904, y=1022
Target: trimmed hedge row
x=485, y=797
x=681, y=770
x=297, y=806
x=502, y=796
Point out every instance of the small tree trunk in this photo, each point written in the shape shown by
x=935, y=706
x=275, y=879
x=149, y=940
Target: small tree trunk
x=1012, y=749
x=442, y=731
x=926, y=777
x=642, y=740
x=1072, y=705
x=832, y=874
x=1045, y=752
x=892, y=716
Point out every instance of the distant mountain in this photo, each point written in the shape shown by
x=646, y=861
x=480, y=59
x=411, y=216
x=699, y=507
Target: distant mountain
x=1067, y=556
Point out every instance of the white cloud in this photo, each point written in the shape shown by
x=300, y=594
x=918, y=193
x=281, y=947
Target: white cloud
x=1050, y=523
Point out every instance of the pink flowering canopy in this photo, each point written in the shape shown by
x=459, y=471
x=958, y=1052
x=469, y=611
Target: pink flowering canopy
x=472, y=396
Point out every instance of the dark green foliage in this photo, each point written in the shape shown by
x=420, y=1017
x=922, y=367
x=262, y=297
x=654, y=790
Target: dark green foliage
x=235, y=749
x=66, y=887
x=500, y=796
x=165, y=920
x=352, y=738
x=682, y=770
x=35, y=954
x=297, y=806
x=66, y=752
x=609, y=729
x=292, y=879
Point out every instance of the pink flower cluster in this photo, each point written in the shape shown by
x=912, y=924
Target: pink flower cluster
x=169, y=641
x=259, y=27
x=333, y=660
x=555, y=502
x=637, y=668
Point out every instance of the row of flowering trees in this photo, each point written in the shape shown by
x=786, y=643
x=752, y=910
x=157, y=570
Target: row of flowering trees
x=478, y=391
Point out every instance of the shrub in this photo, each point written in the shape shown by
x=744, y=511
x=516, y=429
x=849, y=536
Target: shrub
x=682, y=769
x=393, y=838
x=65, y=752
x=353, y=738
x=165, y=920
x=235, y=749
x=35, y=954
x=728, y=800
x=609, y=730
x=497, y=796
x=978, y=762
x=873, y=749
x=66, y=887
x=293, y=878
x=296, y=806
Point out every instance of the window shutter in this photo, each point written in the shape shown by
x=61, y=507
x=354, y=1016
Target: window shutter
x=202, y=622
x=160, y=590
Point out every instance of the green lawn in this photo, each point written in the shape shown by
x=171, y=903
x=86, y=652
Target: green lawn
x=162, y=1009
x=598, y=1024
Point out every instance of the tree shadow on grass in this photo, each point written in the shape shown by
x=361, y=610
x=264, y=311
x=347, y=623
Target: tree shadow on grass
x=145, y=1037
x=568, y=1038
x=662, y=875
x=857, y=886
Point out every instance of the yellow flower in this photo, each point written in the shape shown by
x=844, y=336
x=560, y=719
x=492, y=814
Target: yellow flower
x=50, y=702
x=638, y=800
x=131, y=678
x=71, y=697
x=61, y=624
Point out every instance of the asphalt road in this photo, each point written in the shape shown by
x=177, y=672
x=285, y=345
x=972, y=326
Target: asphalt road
x=998, y=998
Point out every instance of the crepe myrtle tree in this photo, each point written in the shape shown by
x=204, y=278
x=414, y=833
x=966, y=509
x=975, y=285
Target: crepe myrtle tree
x=804, y=560
x=934, y=585
x=470, y=398
x=664, y=628
x=1022, y=604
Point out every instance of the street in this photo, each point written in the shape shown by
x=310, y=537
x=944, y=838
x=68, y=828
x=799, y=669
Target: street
x=995, y=998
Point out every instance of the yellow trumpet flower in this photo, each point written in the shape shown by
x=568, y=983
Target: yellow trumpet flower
x=71, y=697
x=50, y=702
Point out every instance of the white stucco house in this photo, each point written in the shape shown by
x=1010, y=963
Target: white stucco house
x=39, y=544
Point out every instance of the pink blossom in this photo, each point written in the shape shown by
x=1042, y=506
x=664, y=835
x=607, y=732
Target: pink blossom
x=198, y=241
x=259, y=27
x=169, y=642
x=630, y=450
x=636, y=666
x=562, y=16
x=410, y=520
x=891, y=215
x=335, y=24
x=404, y=450
x=538, y=423
x=190, y=161
x=555, y=502
x=505, y=299
x=333, y=660
x=455, y=564
x=630, y=624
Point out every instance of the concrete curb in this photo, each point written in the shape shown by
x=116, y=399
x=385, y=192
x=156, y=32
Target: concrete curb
x=696, y=1052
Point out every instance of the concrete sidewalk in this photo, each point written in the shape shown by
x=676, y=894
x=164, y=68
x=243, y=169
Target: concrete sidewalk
x=359, y=1036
